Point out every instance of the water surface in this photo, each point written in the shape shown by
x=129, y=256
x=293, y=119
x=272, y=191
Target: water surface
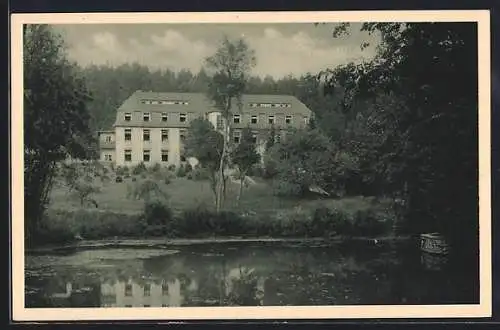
x=245, y=274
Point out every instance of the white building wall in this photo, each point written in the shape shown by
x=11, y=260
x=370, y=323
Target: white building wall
x=155, y=145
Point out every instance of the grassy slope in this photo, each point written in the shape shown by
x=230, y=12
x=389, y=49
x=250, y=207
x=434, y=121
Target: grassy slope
x=186, y=193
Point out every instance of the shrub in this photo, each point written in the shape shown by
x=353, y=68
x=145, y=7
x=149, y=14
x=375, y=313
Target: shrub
x=122, y=171
x=134, y=179
x=181, y=171
x=157, y=213
x=118, y=179
x=199, y=173
x=171, y=168
x=139, y=168
x=53, y=232
x=155, y=168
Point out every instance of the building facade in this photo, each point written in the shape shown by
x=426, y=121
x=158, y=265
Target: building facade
x=150, y=127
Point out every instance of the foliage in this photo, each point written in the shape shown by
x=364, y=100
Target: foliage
x=303, y=160
x=55, y=117
x=146, y=189
x=419, y=157
x=84, y=191
x=139, y=169
x=244, y=156
x=205, y=144
x=159, y=219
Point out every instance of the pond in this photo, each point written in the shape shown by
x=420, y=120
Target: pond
x=246, y=274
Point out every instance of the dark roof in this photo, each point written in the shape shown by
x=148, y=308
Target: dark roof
x=199, y=103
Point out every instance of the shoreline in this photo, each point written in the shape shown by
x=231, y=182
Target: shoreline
x=164, y=243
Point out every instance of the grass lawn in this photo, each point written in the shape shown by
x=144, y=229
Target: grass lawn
x=186, y=194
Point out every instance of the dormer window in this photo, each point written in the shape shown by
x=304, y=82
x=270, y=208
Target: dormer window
x=128, y=116
x=146, y=116
x=306, y=120
x=182, y=117
x=270, y=120
x=164, y=116
x=236, y=119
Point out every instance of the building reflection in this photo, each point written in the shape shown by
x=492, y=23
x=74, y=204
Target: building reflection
x=149, y=294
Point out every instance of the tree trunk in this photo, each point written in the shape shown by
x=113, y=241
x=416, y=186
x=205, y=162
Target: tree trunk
x=221, y=180
x=242, y=179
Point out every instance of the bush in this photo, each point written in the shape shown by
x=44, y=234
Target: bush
x=155, y=168
x=122, y=171
x=139, y=168
x=157, y=213
x=199, y=173
x=53, y=232
x=181, y=171
x=201, y=222
x=118, y=179
x=171, y=168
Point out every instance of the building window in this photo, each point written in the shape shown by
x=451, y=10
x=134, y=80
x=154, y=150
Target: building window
x=128, y=155
x=270, y=120
x=147, y=305
x=163, y=305
x=306, y=120
x=288, y=119
x=146, y=155
x=182, y=117
x=236, y=119
x=236, y=136
x=108, y=157
x=164, y=134
x=128, y=305
x=108, y=139
x=147, y=290
x=164, y=116
x=164, y=289
x=146, y=116
x=128, y=116
x=146, y=135
x=164, y=155
x=182, y=135
x=128, y=134
x=220, y=122
x=253, y=120
x=128, y=290
x=254, y=138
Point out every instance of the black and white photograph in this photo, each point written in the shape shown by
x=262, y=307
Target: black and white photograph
x=169, y=167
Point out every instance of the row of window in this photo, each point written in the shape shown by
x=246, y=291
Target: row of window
x=146, y=116
x=146, y=305
x=165, y=102
x=146, y=135
x=270, y=105
x=146, y=156
x=147, y=290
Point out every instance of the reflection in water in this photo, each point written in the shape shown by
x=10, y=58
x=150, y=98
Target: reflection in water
x=223, y=275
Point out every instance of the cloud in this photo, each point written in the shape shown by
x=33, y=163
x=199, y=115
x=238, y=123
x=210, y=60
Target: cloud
x=277, y=54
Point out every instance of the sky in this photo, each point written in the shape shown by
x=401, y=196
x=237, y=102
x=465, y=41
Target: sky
x=281, y=49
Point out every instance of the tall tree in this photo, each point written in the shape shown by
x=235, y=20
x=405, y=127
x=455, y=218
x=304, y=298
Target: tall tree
x=56, y=120
x=229, y=70
x=431, y=153
x=205, y=144
x=244, y=156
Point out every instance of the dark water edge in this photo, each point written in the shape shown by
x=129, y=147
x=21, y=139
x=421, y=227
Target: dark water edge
x=265, y=273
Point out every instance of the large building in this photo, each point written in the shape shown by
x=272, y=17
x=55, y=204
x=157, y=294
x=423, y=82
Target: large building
x=150, y=127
